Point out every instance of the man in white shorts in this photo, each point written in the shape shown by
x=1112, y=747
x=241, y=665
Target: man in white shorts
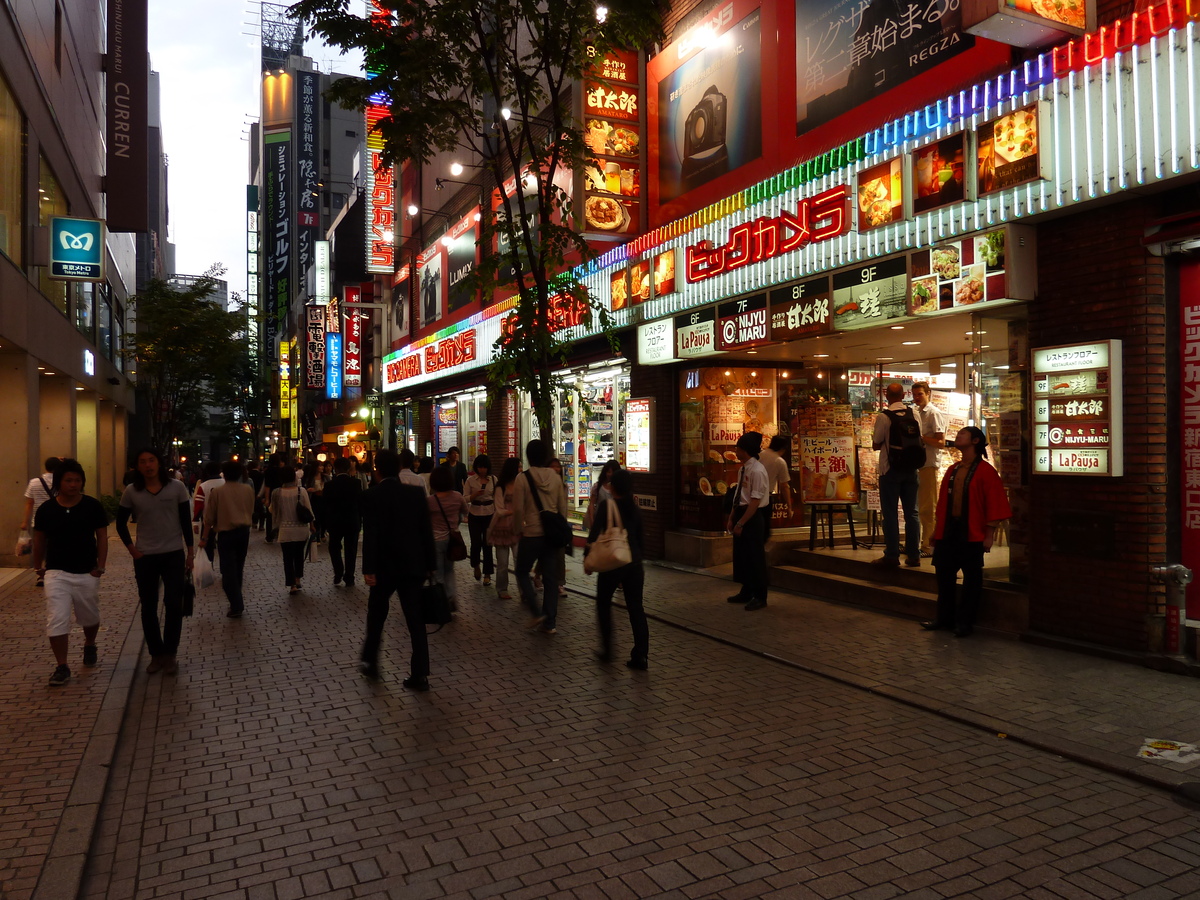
x=70, y=548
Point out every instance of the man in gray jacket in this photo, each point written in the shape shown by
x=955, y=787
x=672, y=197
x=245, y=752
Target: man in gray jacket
x=527, y=522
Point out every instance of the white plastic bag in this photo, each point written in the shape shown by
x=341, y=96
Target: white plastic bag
x=24, y=543
x=313, y=550
x=202, y=570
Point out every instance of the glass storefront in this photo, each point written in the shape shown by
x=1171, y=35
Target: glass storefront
x=51, y=202
x=12, y=173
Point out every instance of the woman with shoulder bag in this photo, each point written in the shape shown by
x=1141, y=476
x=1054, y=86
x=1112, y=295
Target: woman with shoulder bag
x=479, y=492
x=447, y=509
x=500, y=533
x=631, y=576
x=292, y=514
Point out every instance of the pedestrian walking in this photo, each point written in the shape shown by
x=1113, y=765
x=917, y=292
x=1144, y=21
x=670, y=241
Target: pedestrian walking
x=631, y=577
x=600, y=491
x=971, y=507
x=398, y=555
x=541, y=482
x=210, y=480
x=292, y=514
x=343, y=518
x=480, y=494
x=408, y=471
x=500, y=533
x=272, y=479
x=560, y=554
x=447, y=509
x=70, y=549
x=162, y=553
x=37, y=492
x=255, y=476
x=228, y=517
x=457, y=468
x=314, y=484
x=747, y=524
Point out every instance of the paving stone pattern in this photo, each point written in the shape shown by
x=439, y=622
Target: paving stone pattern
x=269, y=769
x=44, y=731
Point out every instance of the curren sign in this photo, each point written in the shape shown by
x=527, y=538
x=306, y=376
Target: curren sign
x=127, y=66
x=696, y=333
x=816, y=219
x=742, y=322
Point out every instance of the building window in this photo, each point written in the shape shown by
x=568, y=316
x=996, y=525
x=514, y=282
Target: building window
x=85, y=310
x=104, y=322
x=51, y=202
x=12, y=164
x=118, y=337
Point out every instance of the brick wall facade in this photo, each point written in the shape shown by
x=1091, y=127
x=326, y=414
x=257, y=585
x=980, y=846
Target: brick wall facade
x=1097, y=282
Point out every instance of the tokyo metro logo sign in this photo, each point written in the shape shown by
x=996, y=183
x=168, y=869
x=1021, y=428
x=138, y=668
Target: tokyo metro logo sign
x=76, y=249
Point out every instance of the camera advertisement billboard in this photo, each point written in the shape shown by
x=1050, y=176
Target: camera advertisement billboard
x=710, y=106
x=429, y=276
x=849, y=51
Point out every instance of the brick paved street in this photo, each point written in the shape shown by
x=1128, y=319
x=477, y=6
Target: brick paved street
x=269, y=768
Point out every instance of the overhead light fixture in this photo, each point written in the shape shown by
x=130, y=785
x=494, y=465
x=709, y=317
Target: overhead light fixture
x=389, y=235
x=727, y=373
x=477, y=217
x=447, y=241
x=884, y=358
x=897, y=328
x=601, y=14
x=505, y=113
x=783, y=374
x=456, y=169
x=413, y=209
x=751, y=352
x=820, y=356
x=909, y=343
x=79, y=387
x=753, y=374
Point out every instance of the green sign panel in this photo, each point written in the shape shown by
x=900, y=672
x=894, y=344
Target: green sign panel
x=76, y=249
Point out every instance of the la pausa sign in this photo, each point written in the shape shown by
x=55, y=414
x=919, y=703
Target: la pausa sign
x=819, y=218
x=444, y=354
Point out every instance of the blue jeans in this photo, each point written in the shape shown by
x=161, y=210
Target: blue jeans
x=900, y=487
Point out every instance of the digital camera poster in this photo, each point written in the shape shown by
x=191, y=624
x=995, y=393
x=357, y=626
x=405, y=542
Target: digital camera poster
x=850, y=51
x=430, y=278
x=710, y=107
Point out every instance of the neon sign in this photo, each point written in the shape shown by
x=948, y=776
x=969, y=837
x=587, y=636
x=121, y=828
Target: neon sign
x=380, y=183
x=565, y=312
x=1108, y=40
x=816, y=219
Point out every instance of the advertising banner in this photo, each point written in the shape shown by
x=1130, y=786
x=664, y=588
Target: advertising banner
x=881, y=195
x=639, y=431
x=1189, y=419
x=801, y=309
x=127, y=72
x=308, y=155
x=333, y=366
x=870, y=294
x=429, y=275
x=618, y=289
x=352, y=350
x=278, y=231
x=954, y=274
x=461, y=255
x=401, y=302
x=664, y=273
x=850, y=51
x=1009, y=150
x=314, y=348
x=827, y=467
x=710, y=107
x=939, y=173
x=612, y=101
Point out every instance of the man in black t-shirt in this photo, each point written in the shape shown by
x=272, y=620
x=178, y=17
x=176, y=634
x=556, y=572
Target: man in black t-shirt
x=70, y=548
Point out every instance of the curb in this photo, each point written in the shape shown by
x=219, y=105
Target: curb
x=62, y=871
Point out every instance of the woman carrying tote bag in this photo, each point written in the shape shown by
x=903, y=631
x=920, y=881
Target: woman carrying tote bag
x=500, y=534
x=631, y=577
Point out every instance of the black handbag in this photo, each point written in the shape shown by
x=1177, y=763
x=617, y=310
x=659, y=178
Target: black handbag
x=303, y=513
x=457, y=550
x=189, y=593
x=555, y=527
x=435, y=606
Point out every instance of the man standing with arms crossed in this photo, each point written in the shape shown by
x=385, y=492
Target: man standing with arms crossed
x=933, y=435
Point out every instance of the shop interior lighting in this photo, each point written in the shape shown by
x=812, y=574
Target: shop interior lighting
x=80, y=387
x=448, y=404
x=783, y=375
x=727, y=373
x=884, y=358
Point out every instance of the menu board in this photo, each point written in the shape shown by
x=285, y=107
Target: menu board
x=1077, y=410
x=1008, y=150
x=939, y=173
x=639, y=434
x=880, y=195
x=870, y=294
x=801, y=309
x=954, y=274
x=612, y=186
x=823, y=441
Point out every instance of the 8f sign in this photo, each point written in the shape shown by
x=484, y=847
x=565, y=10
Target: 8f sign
x=76, y=249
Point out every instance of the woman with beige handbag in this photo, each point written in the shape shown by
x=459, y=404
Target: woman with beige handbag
x=614, y=550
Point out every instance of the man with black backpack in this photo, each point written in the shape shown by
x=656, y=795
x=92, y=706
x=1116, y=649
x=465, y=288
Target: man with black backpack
x=897, y=437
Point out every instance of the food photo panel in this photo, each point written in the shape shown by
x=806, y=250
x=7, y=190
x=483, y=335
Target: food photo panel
x=939, y=173
x=880, y=196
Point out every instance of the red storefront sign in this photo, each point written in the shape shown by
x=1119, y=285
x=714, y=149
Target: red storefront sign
x=1189, y=369
x=816, y=219
x=565, y=312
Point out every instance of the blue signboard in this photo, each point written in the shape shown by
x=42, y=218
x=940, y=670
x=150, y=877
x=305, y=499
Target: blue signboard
x=76, y=249
x=333, y=366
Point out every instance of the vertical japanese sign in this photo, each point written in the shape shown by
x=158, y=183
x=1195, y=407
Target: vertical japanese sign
x=1077, y=410
x=612, y=104
x=253, y=307
x=314, y=348
x=352, y=351
x=849, y=51
x=333, y=366
x=1189, y=431
x=127, y=72
x=321, y=287
x=380, y=180
x=308, y=154
x=277, y=232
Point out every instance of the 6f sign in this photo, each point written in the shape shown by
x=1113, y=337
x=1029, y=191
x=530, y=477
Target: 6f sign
x=76, y=249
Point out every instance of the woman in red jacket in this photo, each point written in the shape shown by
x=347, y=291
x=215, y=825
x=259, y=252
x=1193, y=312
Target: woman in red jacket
x=971, y=506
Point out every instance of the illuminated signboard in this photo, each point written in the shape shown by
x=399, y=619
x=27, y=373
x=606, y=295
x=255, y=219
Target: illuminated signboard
x=1077, y=410
x=696, y=333
x=76, y=249
x=352, y=351
x=314, y=348
x=664, y=273
x=322, y=288
x=639, y=434
x=742, y=322
x=1008, y=150
x=656, y=342
x=880, y=196
x=333, y=366
x=870, y=294
x=939, y=173
x=816, y=219
x=801, y=309
x=619, y=289
x=380, y=180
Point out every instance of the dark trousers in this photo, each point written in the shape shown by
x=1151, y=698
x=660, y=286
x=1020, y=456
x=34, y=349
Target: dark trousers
x=148, y=572
x=293, y=560
x=949, y=556
x=633, y=579
x=477, y=527
x=534, y=550
x=750, y=554
x=233, y=544
x=337, y=540
x=378, y=606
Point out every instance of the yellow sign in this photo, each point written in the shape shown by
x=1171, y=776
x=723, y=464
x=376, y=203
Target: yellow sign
x=285, y=399
x=295, y=412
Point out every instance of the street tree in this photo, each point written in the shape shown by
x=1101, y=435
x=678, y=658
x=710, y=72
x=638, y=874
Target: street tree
x=189, y=354
x=494, y=78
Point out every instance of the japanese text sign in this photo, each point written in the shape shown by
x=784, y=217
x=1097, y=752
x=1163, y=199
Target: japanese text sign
x=801, y=309
x=1077, y=410
x=314, y=348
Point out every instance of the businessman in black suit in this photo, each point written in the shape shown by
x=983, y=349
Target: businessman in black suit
x=397, y=556
x=343, y=519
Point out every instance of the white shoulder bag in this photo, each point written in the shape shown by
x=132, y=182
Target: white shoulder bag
x=611, y=549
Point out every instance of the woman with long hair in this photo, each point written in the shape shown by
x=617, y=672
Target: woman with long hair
x=600, y=490
x=630, y=577
x=500, y=534
x=163, y=512
x=294, y=530
x=447, y=509
x=479, y=492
